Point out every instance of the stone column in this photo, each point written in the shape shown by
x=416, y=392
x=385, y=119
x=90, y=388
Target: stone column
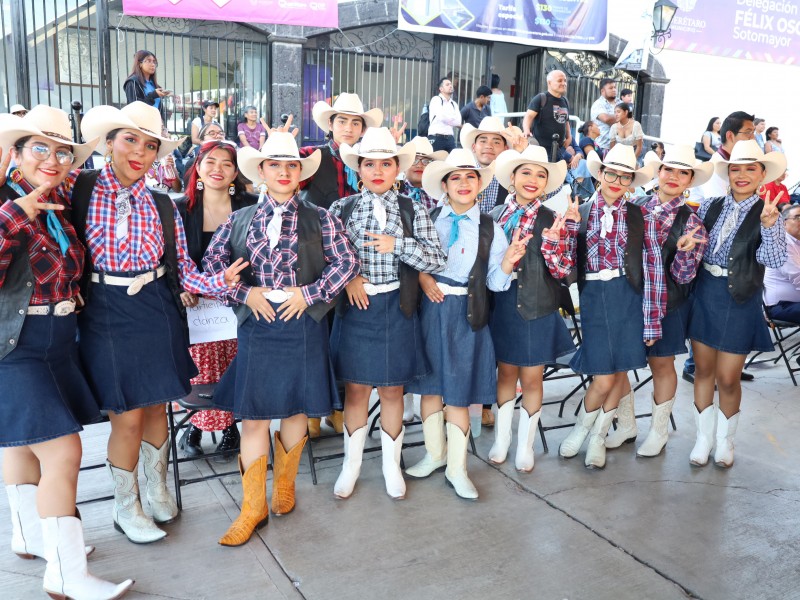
x=286, y=58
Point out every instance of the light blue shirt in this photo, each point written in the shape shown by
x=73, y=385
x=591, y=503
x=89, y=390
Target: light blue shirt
x=601, y=106
x=461, y=255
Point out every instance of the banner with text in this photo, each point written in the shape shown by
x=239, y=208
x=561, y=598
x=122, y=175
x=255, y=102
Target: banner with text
x=211, y=321
x=576, y=24
x=762, y=30
x=317, y=13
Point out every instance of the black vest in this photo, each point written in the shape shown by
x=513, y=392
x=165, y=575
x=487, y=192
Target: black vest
x=323, y=188
x=633, y=259
x=477, y=292
x=745, y=274
x=538, y=292
x=677, y=293
x=81, y=198
x=310, y=257
x=407, y=275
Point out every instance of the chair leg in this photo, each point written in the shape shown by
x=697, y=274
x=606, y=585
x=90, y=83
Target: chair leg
x=541, y=434
x=672, y=420
x=375, y=410
x=472, y=443
x=173, y=446
x=312, y=467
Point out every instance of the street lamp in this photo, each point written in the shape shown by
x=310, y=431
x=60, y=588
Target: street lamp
x=663, y=13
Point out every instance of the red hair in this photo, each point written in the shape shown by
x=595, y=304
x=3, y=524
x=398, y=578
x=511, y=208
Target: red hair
x=192, y=193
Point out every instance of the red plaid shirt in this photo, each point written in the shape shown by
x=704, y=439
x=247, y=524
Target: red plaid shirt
x=143, y=247
x=55, y=276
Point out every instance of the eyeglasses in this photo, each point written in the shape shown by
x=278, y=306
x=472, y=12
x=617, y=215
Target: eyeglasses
x=794, y=218
x=422, y=161
x=42, y=153
x=624, y=178
x=217, y=135
x=150, y=61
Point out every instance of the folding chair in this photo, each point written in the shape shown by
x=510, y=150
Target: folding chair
x=783, y=334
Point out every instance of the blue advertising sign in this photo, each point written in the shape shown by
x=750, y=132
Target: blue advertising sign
x=576, y=24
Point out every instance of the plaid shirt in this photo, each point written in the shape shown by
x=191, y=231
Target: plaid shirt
x=341, y=178
x=684, y=267
x=143, y=247
x=274, y=268
x=488, y=197
x=772, y=251
x=418, y=195
x=558, y=256
x=608, y=253
x=55, y=276
x=422, y=252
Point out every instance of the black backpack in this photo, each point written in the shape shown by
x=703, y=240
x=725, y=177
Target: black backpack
x=424, y=122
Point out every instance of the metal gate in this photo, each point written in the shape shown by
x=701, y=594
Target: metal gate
x=466, y=64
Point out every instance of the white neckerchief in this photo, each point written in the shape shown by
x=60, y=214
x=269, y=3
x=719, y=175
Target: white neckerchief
x=607, y=218
x=274, y=226
x=727, y=227
x=379, y=211
x=123, y=205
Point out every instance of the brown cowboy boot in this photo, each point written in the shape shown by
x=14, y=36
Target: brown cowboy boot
x=286, y=463
x=255, y=512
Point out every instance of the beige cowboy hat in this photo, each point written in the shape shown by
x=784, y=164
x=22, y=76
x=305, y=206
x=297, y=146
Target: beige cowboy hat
x=348, y=104
x=469, y=133
x=424, y=148
x=100, y=120
x=746, y=152
x=377, y=143
x=620, y=158
x=47, y=122
x=681, y=157
x=511, y=159
x=458, y=160
x=280, y=145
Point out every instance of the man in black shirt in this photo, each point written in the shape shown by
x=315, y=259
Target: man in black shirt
x=547, y=114
x=474, y=112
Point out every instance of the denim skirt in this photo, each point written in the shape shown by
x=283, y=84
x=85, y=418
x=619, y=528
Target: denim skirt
x=378, y=346
x=524, y=343
x=463, y=367
x=612, y=328
x=674, y=332
x=133, y=348
x=718, y=321
x=281, y=369
x=43, y=393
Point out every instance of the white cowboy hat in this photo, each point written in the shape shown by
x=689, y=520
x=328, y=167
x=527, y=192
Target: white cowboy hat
x=280, y=145
x=47, y=122
x=620, y=158
x=100, y=120
x=511, y=159
x=377, y=143
x=470, y=133
x=746, y=152
x=424, y=148
x=348, y=104
x=681, y=157
x=458, y=160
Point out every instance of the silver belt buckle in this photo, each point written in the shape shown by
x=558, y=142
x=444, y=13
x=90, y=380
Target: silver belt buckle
x=62, y=309
x=278, y=296
x=715, y=270
x=137, y=284
x=606, y=275
x=371, y=289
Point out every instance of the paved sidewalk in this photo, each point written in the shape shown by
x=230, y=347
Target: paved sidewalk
x=641, y=528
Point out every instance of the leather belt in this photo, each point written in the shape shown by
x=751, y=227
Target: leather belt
x=60, y=309
x=715, y=270
x=452, y=290
x=373, y=289
x=604, y=275
x=134, y=284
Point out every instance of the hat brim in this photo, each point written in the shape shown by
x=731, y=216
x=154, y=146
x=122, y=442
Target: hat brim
x=248, y=160
x=436, y=155
x=437, y=171
x=774, y=166
x=556, y=172
x=640, y=176
x=702, y=172
x=405, y=155
x=13, y=128
x=469, y=133
x=322, y=113
x=100, y=120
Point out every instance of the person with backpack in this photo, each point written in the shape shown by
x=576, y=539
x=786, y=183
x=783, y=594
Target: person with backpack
x=444, y=117
x=548, y=115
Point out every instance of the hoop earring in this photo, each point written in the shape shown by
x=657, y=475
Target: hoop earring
x=762, y=189
x=108, y=157
x=686, y=193
x=199, y=184
x=512, y=190
x=396, y=186
x=627, y=195
x=232, y=190
x=360, y=185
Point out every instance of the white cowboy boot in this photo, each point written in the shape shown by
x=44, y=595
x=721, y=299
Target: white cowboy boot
x=154, y=461
x=573, y=442
x=66, y=574
x=456, y=472
x=435, y=447
x=351, y=466
x=390, y=455
x=706, y=423
x=129, y=518
x=659, y=429
x=726, y=430
x=408, y=408
x=596, y=447
x=526, y=436
x=626, y=430
x=502, y=433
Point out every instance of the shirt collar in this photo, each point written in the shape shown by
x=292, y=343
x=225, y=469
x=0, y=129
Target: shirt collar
x=744, y=205
x=668, y=207
x=529, y=208
x=270, y=204
x=388, y=197
x=474, y=213
x=110, y=181
x=600, y=202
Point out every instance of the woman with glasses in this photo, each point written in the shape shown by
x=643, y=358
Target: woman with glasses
x=45, y=397
x=141, y=84
x=412, y=185
x=622, y=289
x=211, y=132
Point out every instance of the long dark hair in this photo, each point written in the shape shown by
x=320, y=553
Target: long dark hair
x=138, y=59
x=193, y=195
x=710, y=126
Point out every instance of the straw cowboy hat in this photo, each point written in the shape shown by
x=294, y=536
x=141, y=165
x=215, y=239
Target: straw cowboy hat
x=280, y=145
x=47, y=122
x=100, y=120
x=424, y=148
x=746, y=152
x=470, y=133
x=377, y=143
x=620, y=158
x=348, y=104
x=681, y=157
x=510, y=159
x=458, y=160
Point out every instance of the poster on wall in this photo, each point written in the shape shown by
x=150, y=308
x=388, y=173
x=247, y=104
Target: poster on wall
x=573, y=24
x=761, y=30
x=317, y=13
